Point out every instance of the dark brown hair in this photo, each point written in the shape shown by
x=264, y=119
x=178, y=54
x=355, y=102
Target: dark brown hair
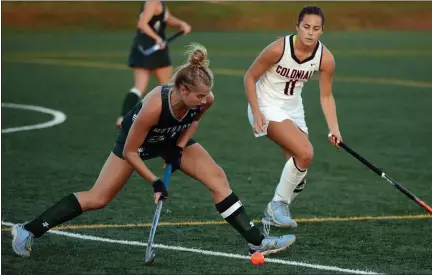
x=315, y=10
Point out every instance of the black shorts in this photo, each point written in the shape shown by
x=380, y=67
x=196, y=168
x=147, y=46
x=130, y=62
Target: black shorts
x=158, y=59
x=150, y=152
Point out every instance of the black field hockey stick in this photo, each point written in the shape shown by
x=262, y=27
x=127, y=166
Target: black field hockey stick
x=156, y=47
x=383, y=175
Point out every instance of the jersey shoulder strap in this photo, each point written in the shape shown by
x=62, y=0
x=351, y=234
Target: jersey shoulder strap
x=166, y=108
x=285, y=50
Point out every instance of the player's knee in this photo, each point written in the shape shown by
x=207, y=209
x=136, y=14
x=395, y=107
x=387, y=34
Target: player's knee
x=305, y=157
x=100, y=202
x=220, y=177
x=95, y=200
x=219, y=181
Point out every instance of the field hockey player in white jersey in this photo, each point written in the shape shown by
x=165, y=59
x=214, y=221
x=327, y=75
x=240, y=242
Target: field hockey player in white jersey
x=273, y=86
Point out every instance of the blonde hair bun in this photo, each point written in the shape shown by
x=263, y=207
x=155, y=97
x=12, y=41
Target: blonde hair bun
x=197, y=55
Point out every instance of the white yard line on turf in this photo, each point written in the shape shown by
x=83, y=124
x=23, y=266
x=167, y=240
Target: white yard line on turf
x=58, y=117
x=201, y=251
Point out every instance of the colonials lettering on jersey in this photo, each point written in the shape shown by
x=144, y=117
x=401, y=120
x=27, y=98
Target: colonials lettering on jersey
x=294, y=73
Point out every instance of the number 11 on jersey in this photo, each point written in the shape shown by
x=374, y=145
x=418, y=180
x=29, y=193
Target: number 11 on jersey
x=289, y=87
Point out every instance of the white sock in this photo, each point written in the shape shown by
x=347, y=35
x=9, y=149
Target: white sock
x=134, y=90
x=290, y=178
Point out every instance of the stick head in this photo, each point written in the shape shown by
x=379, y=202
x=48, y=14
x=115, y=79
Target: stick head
x=152, y=49
x=150, y=260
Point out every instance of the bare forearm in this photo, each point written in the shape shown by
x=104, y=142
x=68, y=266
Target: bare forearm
x=174, y=22
x=250, y=88
x=329, y=109
x=145, y=28
x=186, y=135
x=136, y=162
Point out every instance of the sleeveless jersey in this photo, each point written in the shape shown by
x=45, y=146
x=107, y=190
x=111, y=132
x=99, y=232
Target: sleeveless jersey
x=158, y=25
x=168, y=129
x=282, y=84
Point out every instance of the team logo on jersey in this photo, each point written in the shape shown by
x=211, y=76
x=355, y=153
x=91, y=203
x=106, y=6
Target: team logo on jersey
x=167, y=130
x=161, y=134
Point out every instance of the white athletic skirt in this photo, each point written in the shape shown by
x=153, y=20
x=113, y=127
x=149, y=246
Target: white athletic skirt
x=279, y=114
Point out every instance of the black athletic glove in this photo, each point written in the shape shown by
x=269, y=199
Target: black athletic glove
x=159, y=187
x=173, y=157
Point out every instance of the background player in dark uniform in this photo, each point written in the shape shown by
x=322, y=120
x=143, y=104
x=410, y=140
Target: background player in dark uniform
x=153, y=20
x=161, y=125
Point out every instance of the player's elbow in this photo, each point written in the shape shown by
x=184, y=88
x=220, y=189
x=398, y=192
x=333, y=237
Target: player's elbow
x=128, y=154
x=140, y=24
x=249, y=79
x=194, y=126
x=143, y=26
x=125, y=155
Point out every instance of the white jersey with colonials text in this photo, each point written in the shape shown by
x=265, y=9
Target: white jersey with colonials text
x=281, y=86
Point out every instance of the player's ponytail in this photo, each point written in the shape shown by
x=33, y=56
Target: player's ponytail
x=197, y=55
x=196, y=69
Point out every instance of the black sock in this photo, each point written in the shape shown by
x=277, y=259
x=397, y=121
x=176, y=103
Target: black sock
x=130, y=100
x=64, y=210
x=232, y=210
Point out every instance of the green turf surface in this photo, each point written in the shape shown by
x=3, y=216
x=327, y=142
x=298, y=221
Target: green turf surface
x=383, y=91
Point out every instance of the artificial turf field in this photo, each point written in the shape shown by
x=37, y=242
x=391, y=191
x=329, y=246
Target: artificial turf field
x=350, y=220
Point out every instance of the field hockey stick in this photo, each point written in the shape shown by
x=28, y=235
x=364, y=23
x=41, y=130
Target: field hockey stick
x=383, y=175
x=150, y=254
x=156, y=47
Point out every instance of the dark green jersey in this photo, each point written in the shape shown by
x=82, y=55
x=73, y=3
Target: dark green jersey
x=142, y=42
x=168, y=129
x=158, y=25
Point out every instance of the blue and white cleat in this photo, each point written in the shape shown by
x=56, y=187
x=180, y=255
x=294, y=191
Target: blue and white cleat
x=277, y=213
x=22, y=240
x=271, y=245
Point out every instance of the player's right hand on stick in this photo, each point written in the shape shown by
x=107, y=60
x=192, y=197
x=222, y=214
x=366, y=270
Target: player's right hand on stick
x=259, y=122
x=160, y=191
x=161, y=42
